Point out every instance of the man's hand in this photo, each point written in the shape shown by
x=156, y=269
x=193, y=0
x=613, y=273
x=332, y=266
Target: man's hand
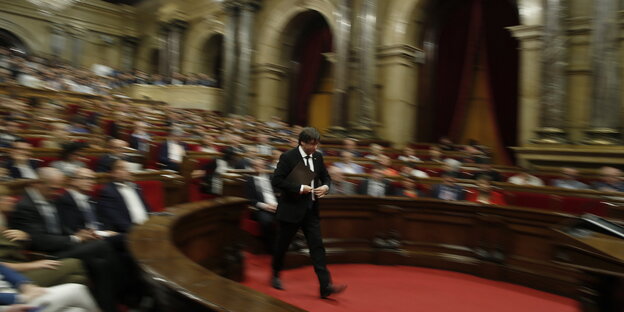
x=321, y=191
x=31, y=291
x=270, y=208
x=86, y=235
x=44, y=264
x=16, y=235
x=306, y=189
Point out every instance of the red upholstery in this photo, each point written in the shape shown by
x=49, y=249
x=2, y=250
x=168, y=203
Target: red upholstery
x=534, y=200
x=35, y=141
x=581, y=205
x=195, y=194
x=154, y=192
x=249, y=225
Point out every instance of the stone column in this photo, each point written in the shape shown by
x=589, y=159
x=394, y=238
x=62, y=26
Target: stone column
x=340, y=62
x=128, y=51
x=57, y=41
x=77, y=45
x=553, y=87
x=268, y=78
x=230, y=55
x=366, y=117
x=176, y=30
x=163, y=48
x=605, y=124
x=245, y=45
x=530, y=37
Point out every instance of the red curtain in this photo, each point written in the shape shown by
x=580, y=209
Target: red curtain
x=315, y=40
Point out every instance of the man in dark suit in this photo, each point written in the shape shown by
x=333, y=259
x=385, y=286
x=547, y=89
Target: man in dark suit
x=448, y=189
x=121, y=203
x=172, y=151
x=116, y=150
x=298, y=208
x=76, y=208
x=20, y=165
x=263, y=198
x=37, y=215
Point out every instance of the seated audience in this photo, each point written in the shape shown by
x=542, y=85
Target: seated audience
x=413, y=172
x=448, y=189
x=207, y=144
x=385, y=163
x=17, y=289
x=76, y=207
x=71, y=158
x=446, y=144
x=78, y=126
x=116, y=150
x=485, y=193
x=486, y=169
x=453, y=169
x=12, y=254
x=8, y=133
x=20, y=164
x=408, y=155
x=36, y=214
x=60, y=136
x=407, y=188
x=525, y=178
x=275, y=156
x=121, y=203
x=350, y=145
x=262, y=146
x=435, y=155
x=569, y=180
x=347, y=165
x=610, y=180
x=375, y=151
x=213, y=172
x=172, y=151
x=262, y=196
x=376, y=185
x=139, y=138
x=339, y=186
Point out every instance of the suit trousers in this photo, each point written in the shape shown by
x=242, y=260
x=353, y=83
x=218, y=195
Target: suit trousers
x=311, y=227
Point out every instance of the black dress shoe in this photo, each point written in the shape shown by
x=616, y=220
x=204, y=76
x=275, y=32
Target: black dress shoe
x=331, y=290
x=276, y=283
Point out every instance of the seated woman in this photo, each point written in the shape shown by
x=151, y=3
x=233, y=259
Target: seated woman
x=485, y=194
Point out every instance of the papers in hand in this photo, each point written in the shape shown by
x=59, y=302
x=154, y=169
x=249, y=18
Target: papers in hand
x=300, y=175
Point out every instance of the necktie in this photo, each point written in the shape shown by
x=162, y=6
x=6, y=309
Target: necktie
x=307, y=160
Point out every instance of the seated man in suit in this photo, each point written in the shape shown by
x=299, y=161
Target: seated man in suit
x=340, y=186
x=43, y=272
x=610, y=180
x=37, y=215
x=448, y=189
x=140, y=139
x=173, y=150
x=376, y=185
x=17, y=289
x=262, y=196
x=117, y=150
x=121, y=203
x=569, y=180
x=71, y=157
x=20, y=163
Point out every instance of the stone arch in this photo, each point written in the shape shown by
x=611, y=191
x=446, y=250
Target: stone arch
x=197, y=37
x=274, y=40
x=31, y=42
x=144, y=52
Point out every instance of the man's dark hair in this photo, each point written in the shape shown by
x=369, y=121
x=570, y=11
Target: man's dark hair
x=309, y=134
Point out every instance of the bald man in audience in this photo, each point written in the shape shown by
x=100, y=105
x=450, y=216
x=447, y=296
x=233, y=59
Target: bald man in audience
x=610, y=180
x=37, y=214
x=569, y=180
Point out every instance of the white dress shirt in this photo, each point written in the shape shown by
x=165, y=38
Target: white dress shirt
x=138, y=213
x=263, y=185
x=310, y=164
x=26, y=171
x=176, y=151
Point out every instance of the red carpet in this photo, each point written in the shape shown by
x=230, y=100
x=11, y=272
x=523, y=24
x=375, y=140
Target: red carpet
x=402, y=288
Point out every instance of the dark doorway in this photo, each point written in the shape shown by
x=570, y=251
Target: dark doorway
x=10, y=41
x=213, y=58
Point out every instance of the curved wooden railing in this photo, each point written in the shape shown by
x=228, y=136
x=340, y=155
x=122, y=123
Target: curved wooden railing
x=193, y=259
x=189, y=255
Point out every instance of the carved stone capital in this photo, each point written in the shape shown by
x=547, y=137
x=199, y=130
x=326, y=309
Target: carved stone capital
x=527, y=32
x=602, y=136
x=405, y=54
x=269, y=70
x=547, y=136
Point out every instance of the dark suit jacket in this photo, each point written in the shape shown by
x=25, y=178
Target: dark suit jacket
x=105, y=163
x=252, y=192
x=163, y=155
x=292, y=205
x=71, y=216
x=27, y=218
x=112, y=210
x=363, y=188
x=15, y=173
x=135, y=143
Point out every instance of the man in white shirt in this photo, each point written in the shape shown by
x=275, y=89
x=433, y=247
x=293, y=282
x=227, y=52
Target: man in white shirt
x=121, y=204
x=260, y=192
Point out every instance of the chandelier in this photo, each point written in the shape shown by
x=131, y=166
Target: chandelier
x=52, y=6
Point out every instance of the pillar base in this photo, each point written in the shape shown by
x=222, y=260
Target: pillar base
x=550, y=136
x=602, y=136
x=362, y=132
x=336, y=132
